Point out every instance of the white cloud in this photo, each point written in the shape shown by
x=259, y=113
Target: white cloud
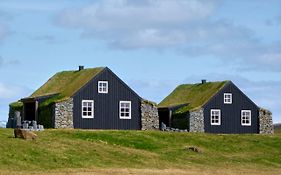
x=125, y=14
x=130, y=24
x=186, y=27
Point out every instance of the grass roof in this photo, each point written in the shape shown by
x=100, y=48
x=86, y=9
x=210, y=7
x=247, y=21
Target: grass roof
x=66, y=83
x=195, y=95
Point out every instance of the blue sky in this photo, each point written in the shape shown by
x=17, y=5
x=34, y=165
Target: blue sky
x=152, y=45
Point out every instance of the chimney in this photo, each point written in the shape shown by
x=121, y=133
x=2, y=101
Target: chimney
x=203, y=81
x=81, y=68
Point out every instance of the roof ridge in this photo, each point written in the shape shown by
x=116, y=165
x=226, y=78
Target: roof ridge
x=195, y=94
x=67, y=82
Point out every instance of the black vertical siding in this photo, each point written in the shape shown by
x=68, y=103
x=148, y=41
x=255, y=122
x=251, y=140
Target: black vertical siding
x=231, y=113
x=106, y=106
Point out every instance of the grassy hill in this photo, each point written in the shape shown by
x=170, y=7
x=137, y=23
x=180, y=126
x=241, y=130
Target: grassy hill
x=139, y=152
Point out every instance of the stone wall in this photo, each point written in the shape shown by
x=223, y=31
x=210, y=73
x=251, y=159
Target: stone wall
x=63, y=114
x=14, y=119
x=149, y=116
x=196, y=121
x=265, y=119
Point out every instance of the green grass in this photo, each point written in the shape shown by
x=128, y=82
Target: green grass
x=195, y=95
x=56, y=150
x=16, y=105
x=67, y=82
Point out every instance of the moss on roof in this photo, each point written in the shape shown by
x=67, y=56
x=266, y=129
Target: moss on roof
x=195, y=95
x=16, y=105
x=66, y=83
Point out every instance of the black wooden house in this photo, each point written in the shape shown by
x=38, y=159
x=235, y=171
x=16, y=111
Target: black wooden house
x=213, y=107
x=92, y=98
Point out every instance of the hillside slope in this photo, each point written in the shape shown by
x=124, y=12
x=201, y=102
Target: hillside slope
x=71, y=150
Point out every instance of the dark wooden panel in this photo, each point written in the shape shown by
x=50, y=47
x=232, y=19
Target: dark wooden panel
x=231, y=113
x=106, y=106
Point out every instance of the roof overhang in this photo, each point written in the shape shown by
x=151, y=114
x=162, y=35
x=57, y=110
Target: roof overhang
x=33, y=99
x=173, y=108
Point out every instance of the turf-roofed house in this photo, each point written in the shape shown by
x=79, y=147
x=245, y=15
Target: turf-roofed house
x=213, y=107
x=93, y=98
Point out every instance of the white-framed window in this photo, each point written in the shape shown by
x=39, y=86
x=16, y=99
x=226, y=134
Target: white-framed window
x=103, y=87
x=215, y=117
x=87, y=108
x=246, y=117
x=125, y=110
x=227, y=98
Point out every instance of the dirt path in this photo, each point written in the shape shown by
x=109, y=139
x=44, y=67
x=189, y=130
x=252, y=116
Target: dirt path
x=189, y=171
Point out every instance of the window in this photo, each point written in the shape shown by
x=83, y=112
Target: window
x=103, y=87
x=125, y=110
x=87, y=109
x=246, y=117
x=215, y=117
x=227, y=98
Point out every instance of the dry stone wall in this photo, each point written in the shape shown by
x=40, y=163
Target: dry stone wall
x=196, y=121
x=265, y=119
x=63, y=114
x=149, y=116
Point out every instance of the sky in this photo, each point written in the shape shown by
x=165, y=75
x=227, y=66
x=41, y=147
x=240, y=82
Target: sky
x=152, y=45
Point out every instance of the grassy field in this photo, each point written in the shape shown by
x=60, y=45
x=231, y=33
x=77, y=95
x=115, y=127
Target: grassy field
x=138, y=152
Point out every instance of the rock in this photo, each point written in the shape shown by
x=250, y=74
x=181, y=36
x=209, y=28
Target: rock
x=24, y=134
x=163, y=126
x=194, y=149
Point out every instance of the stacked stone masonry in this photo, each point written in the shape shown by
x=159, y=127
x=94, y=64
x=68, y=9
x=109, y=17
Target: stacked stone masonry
x=149, y=116
x=196, y=121
x=265, y=119
x=64, y=114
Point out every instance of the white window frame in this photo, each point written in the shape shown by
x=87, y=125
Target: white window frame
x=120, y=109
x=249, y=117
x=219, y=117
x=102, y=89
x=227, y=100
x=92, y=106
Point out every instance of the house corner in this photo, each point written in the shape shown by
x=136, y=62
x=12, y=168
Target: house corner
x=149, y=116
x=265, y=122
